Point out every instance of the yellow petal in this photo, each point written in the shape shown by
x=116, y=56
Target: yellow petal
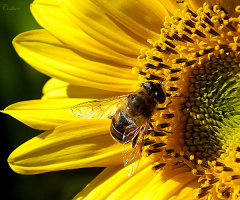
x=144, y=18
x=172, y=6
x=97, y=24
x=52, y=18
x=114, y=183
x=70, y=146
x=197, y=4
x=50, y=56
x=44, y=114
x=55, y=89
x=167, y=188
x=188, y=191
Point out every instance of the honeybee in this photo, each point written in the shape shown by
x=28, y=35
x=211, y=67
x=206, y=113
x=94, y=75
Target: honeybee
x=130, y=116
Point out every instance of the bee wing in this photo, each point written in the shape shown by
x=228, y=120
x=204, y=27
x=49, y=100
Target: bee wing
x=132, y=156
x=98, y=108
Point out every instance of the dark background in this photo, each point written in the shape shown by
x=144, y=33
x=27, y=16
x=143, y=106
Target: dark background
x=19, y=82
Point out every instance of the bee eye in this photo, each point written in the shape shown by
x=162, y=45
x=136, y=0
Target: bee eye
x=160, y=96
x=156, y=90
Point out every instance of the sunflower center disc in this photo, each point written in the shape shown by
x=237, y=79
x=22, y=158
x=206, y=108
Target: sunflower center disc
x=212, y=106
x=197, y=59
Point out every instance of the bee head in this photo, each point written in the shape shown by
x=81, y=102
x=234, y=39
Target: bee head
x=156, y=90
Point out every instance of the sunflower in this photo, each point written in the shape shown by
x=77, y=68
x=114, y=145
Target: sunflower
x=102, y=49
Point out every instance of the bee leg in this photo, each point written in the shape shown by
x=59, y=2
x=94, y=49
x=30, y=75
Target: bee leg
x=134, y=142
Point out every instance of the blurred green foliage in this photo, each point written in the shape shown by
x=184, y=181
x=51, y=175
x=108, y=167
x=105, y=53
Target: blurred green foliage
x=19, y=82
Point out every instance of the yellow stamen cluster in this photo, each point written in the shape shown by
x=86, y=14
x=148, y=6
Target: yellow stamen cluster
x=197, y=59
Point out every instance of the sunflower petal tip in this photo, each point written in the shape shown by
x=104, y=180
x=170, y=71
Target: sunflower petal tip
x=19, y=169
x=14, y=166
